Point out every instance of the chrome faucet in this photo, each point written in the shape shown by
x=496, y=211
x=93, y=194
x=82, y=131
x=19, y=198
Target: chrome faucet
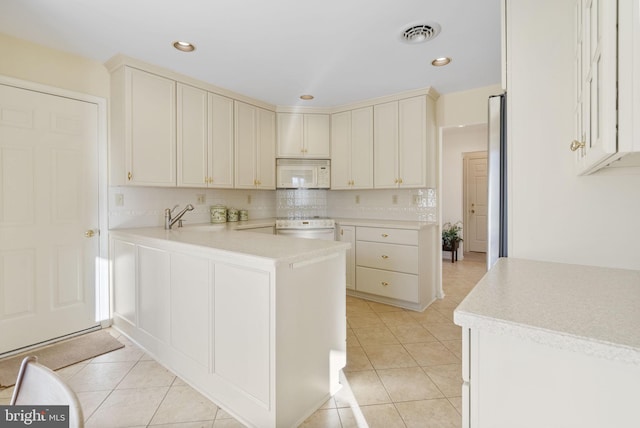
x=170, y=221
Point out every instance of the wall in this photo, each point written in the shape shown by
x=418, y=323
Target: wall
x=556, y=215
x=456, y=142
x=465, y=107
x=36, y=63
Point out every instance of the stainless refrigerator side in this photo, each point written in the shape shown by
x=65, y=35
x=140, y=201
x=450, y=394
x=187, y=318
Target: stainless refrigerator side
x=496, y=181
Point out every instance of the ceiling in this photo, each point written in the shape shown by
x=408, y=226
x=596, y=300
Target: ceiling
x=340, y=51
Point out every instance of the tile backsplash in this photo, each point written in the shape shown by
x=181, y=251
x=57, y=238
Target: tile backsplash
x=397, y=204
x=144, y=206
x=301, y=203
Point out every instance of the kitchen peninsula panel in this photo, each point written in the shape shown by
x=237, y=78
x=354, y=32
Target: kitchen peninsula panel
x=271, y=369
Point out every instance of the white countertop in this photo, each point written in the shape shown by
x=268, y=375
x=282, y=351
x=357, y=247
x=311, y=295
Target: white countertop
x=224, y=239
x=396, y=224
x=587, y=309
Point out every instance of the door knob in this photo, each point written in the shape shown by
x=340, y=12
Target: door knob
x=89, y=233
x=473, y=211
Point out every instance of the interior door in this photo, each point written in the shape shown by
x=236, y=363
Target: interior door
x=48, y=216
x=475, y=237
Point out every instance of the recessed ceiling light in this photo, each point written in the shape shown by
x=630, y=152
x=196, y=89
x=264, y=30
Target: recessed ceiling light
x=306, y=97
x=184, y=46
x=439, y=62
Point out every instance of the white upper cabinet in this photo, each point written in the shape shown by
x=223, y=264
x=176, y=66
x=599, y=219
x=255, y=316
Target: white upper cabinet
x=352, y=149
x=254, y=147
x=205, y=139
x=402, y=143
x=303, y=135
x=606, y=76
x=220, y=141
x=192, y=136
x=143, y=131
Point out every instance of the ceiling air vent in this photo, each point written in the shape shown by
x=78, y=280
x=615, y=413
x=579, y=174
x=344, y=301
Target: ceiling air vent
x=420, y=33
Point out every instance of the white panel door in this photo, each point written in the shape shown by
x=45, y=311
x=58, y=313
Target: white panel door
x=475, y=237
x=48, y=216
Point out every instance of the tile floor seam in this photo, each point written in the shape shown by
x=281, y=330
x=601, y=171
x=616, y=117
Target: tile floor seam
x=162, y=401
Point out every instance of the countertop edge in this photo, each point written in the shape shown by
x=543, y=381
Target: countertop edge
x=398, y=224
x=555, y=339
x=229, y=254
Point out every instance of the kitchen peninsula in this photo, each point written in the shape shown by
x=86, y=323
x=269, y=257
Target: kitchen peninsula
x=255, y=322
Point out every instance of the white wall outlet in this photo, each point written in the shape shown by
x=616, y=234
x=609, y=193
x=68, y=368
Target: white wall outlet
x=248, y=199
x=416, y=199
x=201, y=198
x=357, y=199
x=394, y=199
x=119, y=199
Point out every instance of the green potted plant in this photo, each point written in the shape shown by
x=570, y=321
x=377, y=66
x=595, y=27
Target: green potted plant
x=451, y=236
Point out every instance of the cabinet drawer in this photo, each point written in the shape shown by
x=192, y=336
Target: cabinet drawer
x=395, y=285
x=392, y=236
x=402, y=258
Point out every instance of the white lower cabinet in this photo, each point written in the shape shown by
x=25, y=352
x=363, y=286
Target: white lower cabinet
x=265, y=341
x=388, y=267
x=348, y=234
x=510, y=380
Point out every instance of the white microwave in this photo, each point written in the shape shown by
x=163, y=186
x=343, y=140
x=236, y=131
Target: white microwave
x=303, y=173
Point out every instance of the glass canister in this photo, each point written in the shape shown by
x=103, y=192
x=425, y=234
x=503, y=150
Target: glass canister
x=232, y=214
x=244, y=215
x=218, y=213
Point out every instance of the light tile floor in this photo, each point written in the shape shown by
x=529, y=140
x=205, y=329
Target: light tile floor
x=403, y=370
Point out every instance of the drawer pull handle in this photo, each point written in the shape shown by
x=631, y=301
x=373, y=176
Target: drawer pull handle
x=385, y=256
x=384, y=235
x=384, y=283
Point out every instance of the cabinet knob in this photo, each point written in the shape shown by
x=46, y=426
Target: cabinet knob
x=575, y=145
x=129, y=176
x=384, y=283
x=385, y=256
x=384, y=235
x=89, y=233
x=400, y=180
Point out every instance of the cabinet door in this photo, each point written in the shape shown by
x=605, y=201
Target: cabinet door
x=599, y=84
x=220, y=147
x=341, y=150
x=385, y=145
x=151, y=129
x=290, y=135
x=362, y=148
x=245, y=145
x=348, y=234
x=412, y=141
x=266, y=149
x=192, y=136
x=316, y=136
